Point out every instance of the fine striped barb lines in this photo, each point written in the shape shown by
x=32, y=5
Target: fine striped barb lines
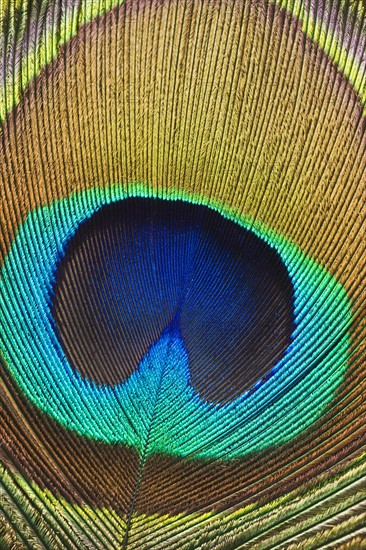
x=183, y=267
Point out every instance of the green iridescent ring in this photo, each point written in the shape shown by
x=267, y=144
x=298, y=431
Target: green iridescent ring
x=301, y=385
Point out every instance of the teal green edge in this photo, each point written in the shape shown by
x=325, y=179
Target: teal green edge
x=302, y=384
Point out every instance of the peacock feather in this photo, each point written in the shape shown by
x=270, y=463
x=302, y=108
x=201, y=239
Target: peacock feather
x=182, y=257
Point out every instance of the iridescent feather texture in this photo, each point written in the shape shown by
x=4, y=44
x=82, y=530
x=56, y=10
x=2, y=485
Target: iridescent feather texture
x=182, y=257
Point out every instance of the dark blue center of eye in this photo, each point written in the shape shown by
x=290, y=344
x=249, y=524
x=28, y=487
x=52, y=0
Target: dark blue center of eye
x=141, y=267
